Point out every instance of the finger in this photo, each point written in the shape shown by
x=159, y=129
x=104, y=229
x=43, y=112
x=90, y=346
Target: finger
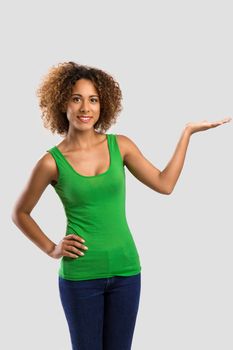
x=70, y=255
x=76, y=244
x=80, y=245
x=222, y=121
x=216, y=123
x=227, y=119
x=213, y=124
x=74, y=250
x=74, y=236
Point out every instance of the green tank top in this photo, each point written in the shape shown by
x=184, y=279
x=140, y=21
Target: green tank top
x=95, y=210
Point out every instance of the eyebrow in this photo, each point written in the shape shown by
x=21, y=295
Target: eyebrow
x=89, y=96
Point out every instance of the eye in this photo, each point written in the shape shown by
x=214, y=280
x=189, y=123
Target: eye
x=76, y=98
x=94, y=100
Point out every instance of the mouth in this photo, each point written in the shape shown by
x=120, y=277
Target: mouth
x=84, y=118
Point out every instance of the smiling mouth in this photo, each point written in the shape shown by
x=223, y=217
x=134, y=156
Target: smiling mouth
x=85, y=118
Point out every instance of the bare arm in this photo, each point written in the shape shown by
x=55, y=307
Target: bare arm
x=169, y=176
x=162, y=181
x=42, y=175
x=172, y=171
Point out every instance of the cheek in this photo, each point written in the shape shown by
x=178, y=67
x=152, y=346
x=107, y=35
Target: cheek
x=97, y=108
x=70, y=111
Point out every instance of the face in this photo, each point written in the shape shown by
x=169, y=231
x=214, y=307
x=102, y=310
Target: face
x=83, y=108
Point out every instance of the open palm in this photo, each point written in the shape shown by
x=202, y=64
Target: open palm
x=205, y=125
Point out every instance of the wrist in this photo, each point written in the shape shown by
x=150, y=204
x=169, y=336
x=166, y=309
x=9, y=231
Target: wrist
x=50, y=250
x=187, y=131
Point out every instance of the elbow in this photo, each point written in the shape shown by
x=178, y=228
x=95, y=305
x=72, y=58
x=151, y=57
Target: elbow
x=14, y=217
x=167, y=190
x=163, y=190
x=19, y=212
x=165, y=186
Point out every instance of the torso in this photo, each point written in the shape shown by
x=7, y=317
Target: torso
x=88, y=163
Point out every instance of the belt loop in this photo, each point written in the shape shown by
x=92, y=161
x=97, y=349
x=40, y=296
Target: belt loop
x=107, y=283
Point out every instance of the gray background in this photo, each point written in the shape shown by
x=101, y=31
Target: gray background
x=173, y=60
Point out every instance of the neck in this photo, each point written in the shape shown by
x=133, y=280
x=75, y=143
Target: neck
x=81, y=139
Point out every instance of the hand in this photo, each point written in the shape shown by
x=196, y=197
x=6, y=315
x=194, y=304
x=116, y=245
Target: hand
x=204, y=125
x=68, y=246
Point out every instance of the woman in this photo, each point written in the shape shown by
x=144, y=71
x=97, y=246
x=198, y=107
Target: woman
x=100, y=272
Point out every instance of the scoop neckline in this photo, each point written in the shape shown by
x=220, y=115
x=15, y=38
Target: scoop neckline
x=88, y=176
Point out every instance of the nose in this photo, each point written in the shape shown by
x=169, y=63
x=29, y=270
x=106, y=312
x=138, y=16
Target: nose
x=84, y=106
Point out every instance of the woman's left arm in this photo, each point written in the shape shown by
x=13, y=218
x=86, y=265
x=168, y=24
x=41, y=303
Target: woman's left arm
x=163, y=181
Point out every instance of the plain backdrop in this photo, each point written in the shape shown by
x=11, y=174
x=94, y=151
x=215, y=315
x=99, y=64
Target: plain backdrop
x=173, y=61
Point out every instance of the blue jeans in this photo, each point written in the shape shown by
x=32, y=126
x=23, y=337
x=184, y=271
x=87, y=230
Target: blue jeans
x=101, y=313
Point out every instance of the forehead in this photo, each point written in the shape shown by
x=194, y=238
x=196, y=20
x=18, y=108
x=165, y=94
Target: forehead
x=83, y=86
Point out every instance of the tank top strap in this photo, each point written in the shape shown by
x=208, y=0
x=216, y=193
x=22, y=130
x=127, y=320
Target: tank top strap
x=61, y=164
x=114, y=149
x=56, y=155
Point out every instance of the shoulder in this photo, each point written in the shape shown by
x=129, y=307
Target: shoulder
x=46, y=161
x=126, y=142
x=123, y=139
x=46, y=165
x=127, y=145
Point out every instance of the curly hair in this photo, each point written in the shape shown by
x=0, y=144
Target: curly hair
x=56, y=89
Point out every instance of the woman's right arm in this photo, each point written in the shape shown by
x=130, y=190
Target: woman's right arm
x=42, y=175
